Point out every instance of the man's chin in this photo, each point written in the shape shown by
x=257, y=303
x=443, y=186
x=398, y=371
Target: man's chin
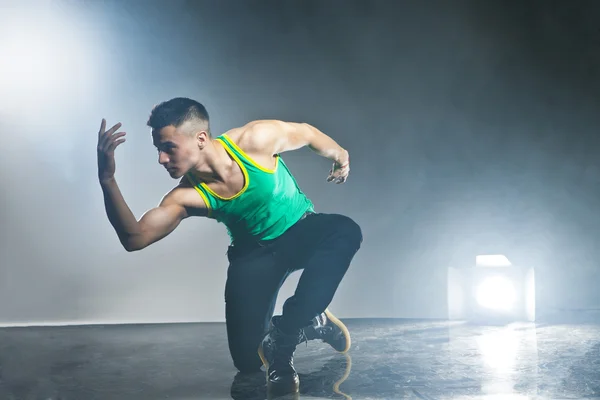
x=175, y=174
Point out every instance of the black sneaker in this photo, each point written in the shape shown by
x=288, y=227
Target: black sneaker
x=277, y=354
x=330, y=330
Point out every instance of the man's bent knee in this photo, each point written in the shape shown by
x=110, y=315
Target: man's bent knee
x=350, y=230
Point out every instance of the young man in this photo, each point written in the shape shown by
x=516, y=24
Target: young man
x=240, y=180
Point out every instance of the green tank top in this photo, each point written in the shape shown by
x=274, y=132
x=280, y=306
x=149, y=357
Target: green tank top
x=269, y=203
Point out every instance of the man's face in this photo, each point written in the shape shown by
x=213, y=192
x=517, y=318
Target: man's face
x=177, y=152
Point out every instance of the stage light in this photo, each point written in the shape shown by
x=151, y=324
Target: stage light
x=492, y=260
x=496, y=293
x=492, y=290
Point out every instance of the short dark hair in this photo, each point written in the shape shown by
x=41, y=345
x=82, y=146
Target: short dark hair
x=175, y=112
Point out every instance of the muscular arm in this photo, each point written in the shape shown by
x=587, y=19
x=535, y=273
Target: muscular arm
x=279, y=136
x=154, y=225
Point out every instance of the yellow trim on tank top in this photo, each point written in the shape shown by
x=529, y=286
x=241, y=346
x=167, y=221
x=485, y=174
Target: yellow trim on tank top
x=201, y=193
x=250, y=160
x=244, y=172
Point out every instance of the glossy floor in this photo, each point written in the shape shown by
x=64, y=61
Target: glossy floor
x=390, y=359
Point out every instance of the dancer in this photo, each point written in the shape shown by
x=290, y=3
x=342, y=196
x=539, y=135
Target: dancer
x=240, y=180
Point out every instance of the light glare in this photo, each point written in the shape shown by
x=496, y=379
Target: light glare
x=492, y=260
x=496, y=293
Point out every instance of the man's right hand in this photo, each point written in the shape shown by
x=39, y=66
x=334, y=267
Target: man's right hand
x=107, y=143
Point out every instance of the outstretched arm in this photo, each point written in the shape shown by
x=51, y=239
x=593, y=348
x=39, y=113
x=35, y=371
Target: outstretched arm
x=279, y=136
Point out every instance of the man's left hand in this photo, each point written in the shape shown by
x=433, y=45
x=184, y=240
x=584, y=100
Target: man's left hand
x=339, y=173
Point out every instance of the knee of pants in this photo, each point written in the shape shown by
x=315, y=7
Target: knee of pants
x=350, y=230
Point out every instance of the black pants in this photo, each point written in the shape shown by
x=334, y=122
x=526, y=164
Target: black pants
x=321, y=244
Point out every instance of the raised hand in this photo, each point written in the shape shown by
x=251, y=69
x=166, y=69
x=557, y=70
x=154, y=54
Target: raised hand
x=107, y=143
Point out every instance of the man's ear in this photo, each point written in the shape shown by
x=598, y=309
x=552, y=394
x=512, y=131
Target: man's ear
x=202, y=138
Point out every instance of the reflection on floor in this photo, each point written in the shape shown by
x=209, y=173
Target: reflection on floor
x=390, y=359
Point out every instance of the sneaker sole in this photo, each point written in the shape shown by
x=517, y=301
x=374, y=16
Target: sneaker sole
x=261, y=354
x=342, y=327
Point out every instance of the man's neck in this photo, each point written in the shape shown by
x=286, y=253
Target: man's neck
x=217, y=165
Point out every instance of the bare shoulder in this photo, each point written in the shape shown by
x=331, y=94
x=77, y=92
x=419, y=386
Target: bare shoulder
x=262, y=137
x=184, y=195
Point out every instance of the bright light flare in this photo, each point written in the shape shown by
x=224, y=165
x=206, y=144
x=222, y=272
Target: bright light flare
x=496, y=293
x=492, y=260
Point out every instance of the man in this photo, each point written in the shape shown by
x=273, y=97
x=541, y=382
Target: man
x=240, y=180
